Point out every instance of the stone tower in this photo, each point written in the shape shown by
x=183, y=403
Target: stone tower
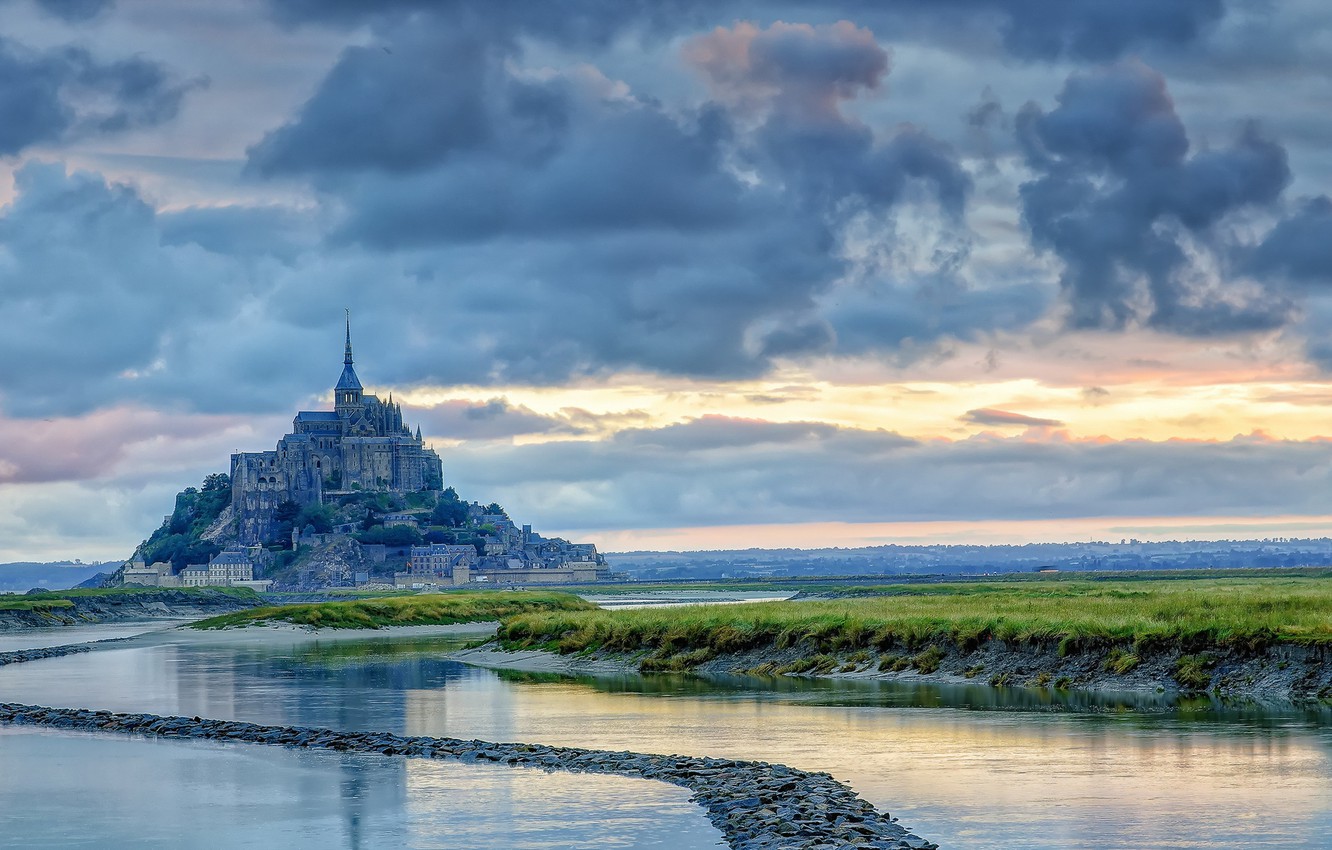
x=348, y=395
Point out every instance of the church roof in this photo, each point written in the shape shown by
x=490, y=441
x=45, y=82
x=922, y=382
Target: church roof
x=348, y=381
x=317, y=416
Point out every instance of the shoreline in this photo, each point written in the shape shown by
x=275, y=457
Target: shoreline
x=1286, y=672
x=53, y=611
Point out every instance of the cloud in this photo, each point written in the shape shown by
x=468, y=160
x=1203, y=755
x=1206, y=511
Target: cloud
x=1299, y=247
x=1134, y=215
x=527, y=187
x=500, y=419
x=802, y=69
x=53, y=96
x=497, y=418
x=105, y=308
x=717, y=471
x=74, y=11
x=1092, y=30
x=67, y=519
x=242, y=231
x=990, y=416
x=94, y=446
x=1033, y=29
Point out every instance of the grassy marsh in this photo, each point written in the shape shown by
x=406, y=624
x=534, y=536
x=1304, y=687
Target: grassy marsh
x=55, y=599
x=1189, y=615
x=420, y=610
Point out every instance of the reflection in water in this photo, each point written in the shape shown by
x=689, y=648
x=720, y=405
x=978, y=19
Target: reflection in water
x=60, y=635
x=149, y=793
x=969, y=766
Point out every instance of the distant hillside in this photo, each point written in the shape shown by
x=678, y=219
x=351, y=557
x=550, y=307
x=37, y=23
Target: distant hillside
x=58, y=575
x=972, y=559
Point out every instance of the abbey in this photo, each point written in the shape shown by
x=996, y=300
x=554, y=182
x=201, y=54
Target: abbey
x=362, y=444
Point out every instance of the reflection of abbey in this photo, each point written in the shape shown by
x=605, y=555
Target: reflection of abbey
x=360, y=445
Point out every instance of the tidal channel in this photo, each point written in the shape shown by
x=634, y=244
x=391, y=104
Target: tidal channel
x=968, y=767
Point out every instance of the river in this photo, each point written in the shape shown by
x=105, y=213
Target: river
x=969, y=767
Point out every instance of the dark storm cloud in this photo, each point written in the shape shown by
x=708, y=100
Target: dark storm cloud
x=1299, y=248
x=489, y=154
x=719, y=471
x=1092, y=29
x=990, y=416
x=48, y=97
x=621, y=232
x=1122, y=201
x=74, y=11
x=798, y=78
x=1030, y=29
x=100, y=311
x=80, y=255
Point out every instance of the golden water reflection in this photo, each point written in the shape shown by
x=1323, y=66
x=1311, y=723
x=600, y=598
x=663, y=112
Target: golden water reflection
x=1064, y=780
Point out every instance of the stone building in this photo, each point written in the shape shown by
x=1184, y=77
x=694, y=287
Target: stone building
x=438, y=564
x=150, y=575
x=362, y=444
x=229, y=568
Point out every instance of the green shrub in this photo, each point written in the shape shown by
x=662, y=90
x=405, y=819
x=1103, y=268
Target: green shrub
x=1194, y=672
x=1120, y=661
x=928, y=660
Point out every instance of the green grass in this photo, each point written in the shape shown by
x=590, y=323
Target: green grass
x=419, y=610
x=24, y=603
x=53, y=599
x=1120, y=661
x=1189, y=615
x=1194, y=672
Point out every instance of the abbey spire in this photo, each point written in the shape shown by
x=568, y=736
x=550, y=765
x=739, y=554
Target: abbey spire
x=347, y=395
x=347, y=358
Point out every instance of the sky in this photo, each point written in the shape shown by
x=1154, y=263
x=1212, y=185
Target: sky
x=679, y=274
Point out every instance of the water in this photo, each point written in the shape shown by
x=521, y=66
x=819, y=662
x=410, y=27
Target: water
x=61, y=635
x=664, y=598
x=98, y=791
x=967, y=766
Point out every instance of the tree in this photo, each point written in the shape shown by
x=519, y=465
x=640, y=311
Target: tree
x=494, y=508
x=395, y=535
x=320, y=517
x=216, y=481
x=449, y=511
x=435, y=534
